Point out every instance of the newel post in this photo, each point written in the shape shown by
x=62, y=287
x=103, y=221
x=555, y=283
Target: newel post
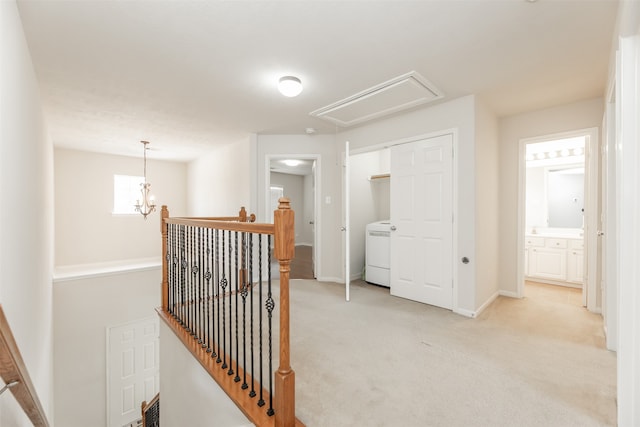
x=164, y=214
x=284, y=377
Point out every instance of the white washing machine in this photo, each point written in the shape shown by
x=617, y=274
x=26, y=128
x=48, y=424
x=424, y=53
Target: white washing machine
x=377, y=253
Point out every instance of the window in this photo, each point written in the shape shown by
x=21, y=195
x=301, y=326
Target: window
x=126, y=191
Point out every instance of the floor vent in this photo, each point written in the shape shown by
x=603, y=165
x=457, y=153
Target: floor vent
x=405, y=91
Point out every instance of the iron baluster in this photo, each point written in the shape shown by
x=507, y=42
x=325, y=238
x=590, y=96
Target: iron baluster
x=270, y=304
x=224, y=317
x=243, y=285
x=252, y=393
x=237, y=290
x=261, y=399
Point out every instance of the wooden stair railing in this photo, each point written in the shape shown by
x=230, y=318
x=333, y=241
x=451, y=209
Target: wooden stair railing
x=194, y=286
x=151, y=412
x=16, y=377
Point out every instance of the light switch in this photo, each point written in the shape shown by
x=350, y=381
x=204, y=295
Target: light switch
x=327, y=200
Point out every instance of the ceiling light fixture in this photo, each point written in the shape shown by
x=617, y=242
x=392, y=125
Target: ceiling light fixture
x=147, y=204
x=290, y=86
x=292, y=162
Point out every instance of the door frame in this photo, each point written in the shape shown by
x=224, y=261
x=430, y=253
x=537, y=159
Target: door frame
x=454, y=171
x=590, y=234
x=316, y=202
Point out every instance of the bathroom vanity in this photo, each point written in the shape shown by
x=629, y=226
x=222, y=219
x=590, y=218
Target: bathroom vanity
x=554, y=258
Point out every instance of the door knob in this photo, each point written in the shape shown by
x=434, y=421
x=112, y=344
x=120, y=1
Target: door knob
x=600, y=233
x=343, y=228
x=311, y=222
x=393, y=228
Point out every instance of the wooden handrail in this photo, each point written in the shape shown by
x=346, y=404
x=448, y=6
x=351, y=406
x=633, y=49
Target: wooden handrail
x=13, y=370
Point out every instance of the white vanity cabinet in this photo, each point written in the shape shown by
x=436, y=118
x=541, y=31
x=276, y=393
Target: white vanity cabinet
x=575, y=263
x=554, y=259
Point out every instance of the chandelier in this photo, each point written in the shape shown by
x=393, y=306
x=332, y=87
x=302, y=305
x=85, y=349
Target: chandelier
x=146, y=205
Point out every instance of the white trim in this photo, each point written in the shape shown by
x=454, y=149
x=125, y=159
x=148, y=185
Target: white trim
x=591, y=209
x=330, y=279
x=317, y=182
x=483, y=307
x=84, y=271
x=509, y=294
x=387, y=144
x=628, y=152
x=465, y=312
x=486, y=304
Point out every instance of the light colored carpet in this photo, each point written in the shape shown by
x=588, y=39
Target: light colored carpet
x=385, y=361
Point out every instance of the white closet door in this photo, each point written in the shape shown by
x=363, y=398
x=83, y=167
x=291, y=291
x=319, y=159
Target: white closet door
x=422, y=221
x=133, y=369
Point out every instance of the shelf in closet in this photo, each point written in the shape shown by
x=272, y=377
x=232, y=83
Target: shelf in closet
x=379, y=177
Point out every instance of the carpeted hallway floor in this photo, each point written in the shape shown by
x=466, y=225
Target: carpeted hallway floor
x=385, y=361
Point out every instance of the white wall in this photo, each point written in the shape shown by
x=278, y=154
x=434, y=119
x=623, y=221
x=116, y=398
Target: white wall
x=487, y=225
x=536, y=198
x=293, y=186
x=218, y=184
x=188, y=394
x=84, y=309
x=579, y=115
x=86, y=230
x=329, y=169
x=458, y=114
x=26, y=236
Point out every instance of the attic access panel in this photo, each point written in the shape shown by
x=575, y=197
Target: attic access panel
x=403, y=92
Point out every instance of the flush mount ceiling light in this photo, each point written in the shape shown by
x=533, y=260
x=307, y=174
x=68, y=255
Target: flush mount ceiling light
x=290, y=86
x=292, y=162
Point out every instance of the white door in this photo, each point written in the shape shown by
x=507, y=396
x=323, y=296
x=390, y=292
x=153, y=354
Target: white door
x=313, y=218
x=132, y=370
x=345, y=227
x=422, y=221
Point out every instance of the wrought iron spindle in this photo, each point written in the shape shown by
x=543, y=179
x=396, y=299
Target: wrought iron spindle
x=190, y=281
x=200, y=304
x=261, y=399
x=231, y=292
x=270, y=304
x=183, y=268
x=252, y=393
x=169, y=260
x=244, y=293
x=224, y=317
x=208, y=293
x=174, y=274
x=173, y=266
x=216, y=344
x=237, y=291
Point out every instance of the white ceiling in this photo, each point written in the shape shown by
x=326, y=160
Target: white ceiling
x=187, y=75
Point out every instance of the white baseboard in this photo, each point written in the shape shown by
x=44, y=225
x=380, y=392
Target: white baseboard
x=486, y=304
x=509, y=294
x=329, y=279
x=465, y=313
x=303, y=244
x=476, y=313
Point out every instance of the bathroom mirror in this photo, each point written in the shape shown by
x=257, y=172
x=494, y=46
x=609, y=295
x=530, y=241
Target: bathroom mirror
x=565, y=197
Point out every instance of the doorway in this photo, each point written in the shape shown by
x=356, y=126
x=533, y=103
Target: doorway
x=558, y=212
x=295, y=177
